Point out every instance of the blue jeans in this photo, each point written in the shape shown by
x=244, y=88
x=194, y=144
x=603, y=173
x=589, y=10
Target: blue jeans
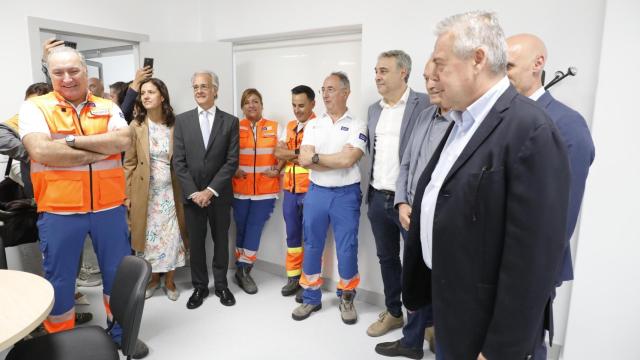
x=386, y=227
x=413, y=330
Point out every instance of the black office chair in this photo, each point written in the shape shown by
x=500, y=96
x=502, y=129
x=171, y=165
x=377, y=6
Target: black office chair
x=92, y=342
x=3, y=254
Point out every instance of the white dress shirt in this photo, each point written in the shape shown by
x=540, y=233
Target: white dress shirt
x=329, y=138
x=212, y=116
x=465, y=125
x=386, y=165
x=536, y=94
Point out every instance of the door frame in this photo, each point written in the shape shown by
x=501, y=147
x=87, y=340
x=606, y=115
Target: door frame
x=36, y=24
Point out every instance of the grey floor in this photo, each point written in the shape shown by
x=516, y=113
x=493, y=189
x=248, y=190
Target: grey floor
x=258, y=327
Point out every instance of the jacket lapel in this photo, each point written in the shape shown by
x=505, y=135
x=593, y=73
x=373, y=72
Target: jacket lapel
x=215, y=129
x=494, y=117
x=142, y=132
x=193, y=120
x=375, y=116
x=412, y=101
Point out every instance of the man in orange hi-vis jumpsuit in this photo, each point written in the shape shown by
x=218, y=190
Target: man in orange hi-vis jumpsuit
x=295, y=184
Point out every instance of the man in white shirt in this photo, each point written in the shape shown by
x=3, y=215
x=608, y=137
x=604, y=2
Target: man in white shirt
x=332, y=145
x=391, y=121
x=488, y=224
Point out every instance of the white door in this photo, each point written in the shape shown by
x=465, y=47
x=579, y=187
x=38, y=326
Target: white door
x=174, y=63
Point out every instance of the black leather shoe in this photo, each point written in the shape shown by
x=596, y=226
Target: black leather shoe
x=196, y=298
x=226, y=297
x=141, y=350
x=395, y=348
x=83, y=317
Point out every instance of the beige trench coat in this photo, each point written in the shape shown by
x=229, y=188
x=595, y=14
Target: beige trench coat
x=137, y=172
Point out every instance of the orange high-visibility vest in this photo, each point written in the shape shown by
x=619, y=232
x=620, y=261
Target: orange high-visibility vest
x=296, y=177
x=85, y=188
x=256, y=157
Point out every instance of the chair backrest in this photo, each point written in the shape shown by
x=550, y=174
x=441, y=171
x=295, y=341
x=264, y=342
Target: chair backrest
x=3, y=254
x=127, y=299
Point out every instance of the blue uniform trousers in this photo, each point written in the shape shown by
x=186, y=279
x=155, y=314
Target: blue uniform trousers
x=61, y=242
x=339, y=206
x=250, y=217
x=292, y=212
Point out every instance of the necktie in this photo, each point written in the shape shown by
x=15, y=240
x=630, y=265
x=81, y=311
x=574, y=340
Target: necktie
x=205, y=127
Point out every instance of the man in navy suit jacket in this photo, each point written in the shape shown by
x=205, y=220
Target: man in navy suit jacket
x=526, y=59
x=488, y=224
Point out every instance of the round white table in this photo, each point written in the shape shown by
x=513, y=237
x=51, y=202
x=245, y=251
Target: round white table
x=25, y=301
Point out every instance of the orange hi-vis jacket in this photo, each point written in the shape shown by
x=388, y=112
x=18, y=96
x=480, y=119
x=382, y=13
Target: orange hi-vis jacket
x=256, y=157
x=77, y=189
x=296, y=177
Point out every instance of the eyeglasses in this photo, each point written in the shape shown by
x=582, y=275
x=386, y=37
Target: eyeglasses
x=329, y=91
x=204, y=87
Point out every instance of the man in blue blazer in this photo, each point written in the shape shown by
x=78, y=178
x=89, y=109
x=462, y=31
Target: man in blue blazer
x=526, y=59
x=390, y=123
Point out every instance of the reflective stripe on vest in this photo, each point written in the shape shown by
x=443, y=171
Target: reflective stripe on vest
x=85, y=188
x=256, y=157
x=296, y=178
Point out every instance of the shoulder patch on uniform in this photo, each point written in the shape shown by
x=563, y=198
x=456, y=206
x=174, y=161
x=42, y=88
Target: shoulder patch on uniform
x=363, y=137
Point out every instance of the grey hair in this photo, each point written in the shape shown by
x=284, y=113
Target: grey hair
x=477, y=29
x=403, y=60
x=344, y=79
x=66, y=49
x=214, y=77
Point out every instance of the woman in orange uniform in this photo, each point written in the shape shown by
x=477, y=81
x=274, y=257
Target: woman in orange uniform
x=256, y=184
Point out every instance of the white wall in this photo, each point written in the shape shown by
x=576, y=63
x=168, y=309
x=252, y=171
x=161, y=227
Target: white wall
x=571, y=29
x=604, y=315
x=116, y=68
x=16, y=59
x=133, y=16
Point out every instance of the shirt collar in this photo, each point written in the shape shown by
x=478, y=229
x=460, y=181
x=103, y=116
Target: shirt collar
x=536, y=94
x=477, y=111
x=212, y=110
x=402, y=101
x=346, y=115
x=301, y=125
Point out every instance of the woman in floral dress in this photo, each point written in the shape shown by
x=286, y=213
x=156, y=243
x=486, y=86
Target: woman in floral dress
x=156, y=216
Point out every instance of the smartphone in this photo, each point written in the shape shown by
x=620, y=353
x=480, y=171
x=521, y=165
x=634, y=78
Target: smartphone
x=148, y=62
x=70, y=44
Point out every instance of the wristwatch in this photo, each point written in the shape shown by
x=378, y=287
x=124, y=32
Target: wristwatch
x=71, y=140
x=315, y=158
